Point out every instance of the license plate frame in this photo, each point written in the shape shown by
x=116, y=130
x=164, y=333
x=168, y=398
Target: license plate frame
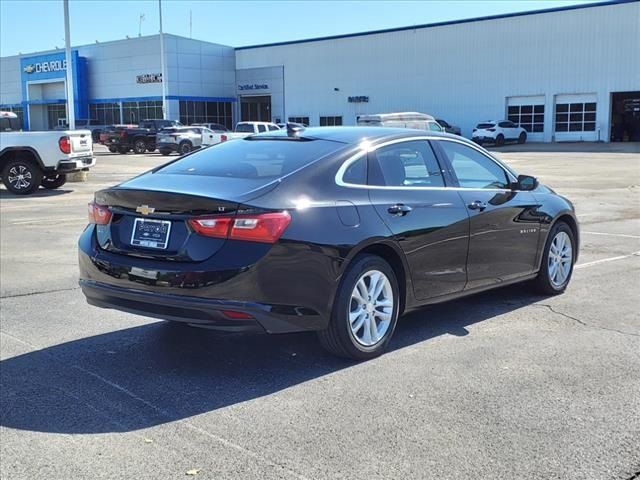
x=156, y=236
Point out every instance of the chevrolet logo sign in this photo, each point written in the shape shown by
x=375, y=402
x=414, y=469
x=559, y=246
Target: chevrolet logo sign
x=29, y=69
x=145, y=209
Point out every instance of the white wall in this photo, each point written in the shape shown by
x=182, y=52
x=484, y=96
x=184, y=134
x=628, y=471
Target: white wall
x=465, y=72
x=10, y=87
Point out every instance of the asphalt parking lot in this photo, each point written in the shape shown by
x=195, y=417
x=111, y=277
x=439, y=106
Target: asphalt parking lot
x=501, y=385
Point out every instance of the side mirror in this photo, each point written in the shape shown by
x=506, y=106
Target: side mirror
x=526, y=183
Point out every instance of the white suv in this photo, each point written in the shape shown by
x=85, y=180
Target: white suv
x=498, y=132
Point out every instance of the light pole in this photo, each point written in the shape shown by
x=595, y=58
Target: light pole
x=71, y=110
x=162, y=66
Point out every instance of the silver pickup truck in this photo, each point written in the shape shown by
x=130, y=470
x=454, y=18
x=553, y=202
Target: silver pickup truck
x=29, y=160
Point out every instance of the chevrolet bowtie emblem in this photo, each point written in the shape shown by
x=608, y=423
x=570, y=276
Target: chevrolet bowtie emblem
x=145, y=209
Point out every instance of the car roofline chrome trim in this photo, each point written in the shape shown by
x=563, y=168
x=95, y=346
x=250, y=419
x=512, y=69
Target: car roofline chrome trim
x=353, y=158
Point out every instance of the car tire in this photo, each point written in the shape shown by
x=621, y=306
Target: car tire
x=500, y=140
x=139, y=146
x=123, y=150
x=151, y=149
x=184, y=147
x=113, y=149
x=522, y=138
x=21, y=176
x=557, y=262
x=165, y=152
x=354, y=310
x=51, y=182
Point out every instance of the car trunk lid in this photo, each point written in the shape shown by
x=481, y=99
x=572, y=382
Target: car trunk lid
x=158, y=207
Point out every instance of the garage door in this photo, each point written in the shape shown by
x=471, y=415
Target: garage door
x=575, y=118
x=528, y=112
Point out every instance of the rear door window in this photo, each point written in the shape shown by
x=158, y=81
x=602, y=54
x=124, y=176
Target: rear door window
x=405, y=164
x=255, y=158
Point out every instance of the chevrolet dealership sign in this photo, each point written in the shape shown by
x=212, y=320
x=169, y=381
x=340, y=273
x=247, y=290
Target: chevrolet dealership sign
x=40, y=67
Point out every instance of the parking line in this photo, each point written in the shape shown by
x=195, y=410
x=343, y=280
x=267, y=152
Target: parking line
x=605, y=260
x=623, y=235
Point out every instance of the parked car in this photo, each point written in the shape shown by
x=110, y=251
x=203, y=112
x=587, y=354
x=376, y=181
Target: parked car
x=448, y=127
x=244, y=129
x=104, y=135
x=498, y=132
x=183, y=139
x=216, y=127
x=335, y=230
x=29, y=160
x=294, y=124
x=419, y=121
x=140, y=139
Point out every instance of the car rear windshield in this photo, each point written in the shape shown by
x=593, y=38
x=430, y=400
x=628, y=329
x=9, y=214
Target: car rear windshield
x=256, y=158
x=486, y=125
x=244, y=128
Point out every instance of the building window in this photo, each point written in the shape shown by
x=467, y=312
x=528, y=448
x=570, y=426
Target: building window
x=529, y=117
x=302, y=120
x=576, y=117
x=330, y=121
x=206, y=112
x=105, y=113
x=19, y=111
x=135, y=112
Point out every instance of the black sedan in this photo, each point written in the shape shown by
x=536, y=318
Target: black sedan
x=334, y=230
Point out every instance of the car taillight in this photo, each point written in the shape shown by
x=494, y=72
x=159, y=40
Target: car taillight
x=491, y=129
x=264, y=227
x=65, y=144
x=99, y=214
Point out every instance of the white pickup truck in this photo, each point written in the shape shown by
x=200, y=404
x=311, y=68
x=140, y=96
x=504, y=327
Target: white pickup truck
x=244, y=129
x=29, y=160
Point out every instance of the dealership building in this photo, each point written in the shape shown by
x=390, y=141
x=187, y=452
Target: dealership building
x=564, y=74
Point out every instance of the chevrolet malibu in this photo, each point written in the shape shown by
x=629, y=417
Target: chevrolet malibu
x=333, y=230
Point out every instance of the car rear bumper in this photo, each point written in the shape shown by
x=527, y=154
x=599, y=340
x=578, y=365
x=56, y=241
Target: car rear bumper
x=194, y=311
x=197, y=293
x=75, y=164
x=483, y=138
x=171, y=147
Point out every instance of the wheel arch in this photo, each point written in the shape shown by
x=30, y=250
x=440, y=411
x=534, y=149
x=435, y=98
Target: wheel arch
x=10, y=153
x=569, y=218
x=395, y=258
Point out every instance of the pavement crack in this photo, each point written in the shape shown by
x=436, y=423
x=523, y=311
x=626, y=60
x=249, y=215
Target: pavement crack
x=583, y=323
x=41, y=292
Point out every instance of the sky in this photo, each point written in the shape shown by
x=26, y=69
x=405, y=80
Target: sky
x=34, y=25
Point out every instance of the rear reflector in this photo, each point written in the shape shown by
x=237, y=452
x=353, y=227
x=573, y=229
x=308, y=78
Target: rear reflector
x=235, y=315
x=223, y=138
x=264, y=227
x=99, y=214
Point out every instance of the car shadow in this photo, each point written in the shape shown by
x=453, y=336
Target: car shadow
x=41, y=192
x=157, y=373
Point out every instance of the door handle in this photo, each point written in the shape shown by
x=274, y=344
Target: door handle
x=477, y=205
x=399, y=209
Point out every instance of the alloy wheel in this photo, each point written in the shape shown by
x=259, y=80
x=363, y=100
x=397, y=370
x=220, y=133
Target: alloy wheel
x=371, y=308
x=20, y=177
x=560, y=259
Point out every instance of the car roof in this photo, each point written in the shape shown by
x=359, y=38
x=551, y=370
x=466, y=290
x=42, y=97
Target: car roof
x=355, y=135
